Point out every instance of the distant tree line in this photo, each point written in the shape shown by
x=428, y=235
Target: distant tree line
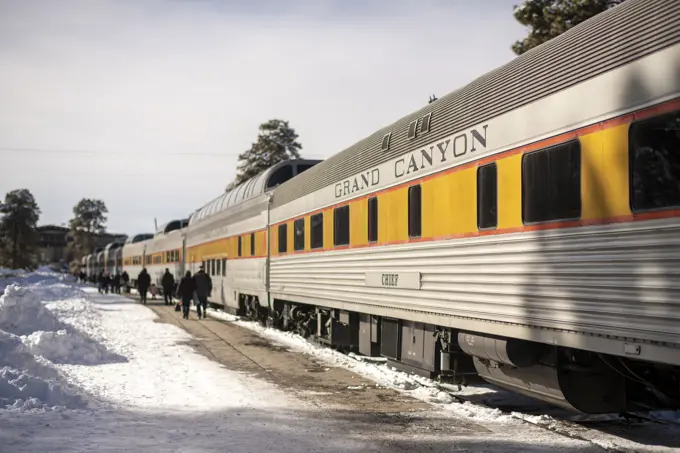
x=19, y=215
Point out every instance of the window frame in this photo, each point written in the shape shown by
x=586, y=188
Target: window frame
x=318, y=215
x=479, y=171
x=576, y=141
x=337, y=212
x=420, y=211
x=631, y=168
x=282, y=228
x=371, y=215
x=297, y=247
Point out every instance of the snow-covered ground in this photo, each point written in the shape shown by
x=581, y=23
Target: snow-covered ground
x=86, y=372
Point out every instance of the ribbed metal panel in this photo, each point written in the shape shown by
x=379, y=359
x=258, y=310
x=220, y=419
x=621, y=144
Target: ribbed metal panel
x=617, y=280
x=630, y=31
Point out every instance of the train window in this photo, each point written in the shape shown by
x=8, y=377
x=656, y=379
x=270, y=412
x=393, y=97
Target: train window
x=218, y=271
x=654, y=153
x=280, y=176
x=341, y=225
x=204, y=266
x=224, y=267
x=487, y=196
x=551, y=183
x=302, y=168
x=212, y=267
x=283, y=238
x=299, y=238
x=240, y=246
x=252, y=244
x=415, y=218
x=373, y=219
x=316, y=231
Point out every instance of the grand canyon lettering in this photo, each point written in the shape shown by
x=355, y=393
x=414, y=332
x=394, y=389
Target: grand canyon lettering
x=449, y=150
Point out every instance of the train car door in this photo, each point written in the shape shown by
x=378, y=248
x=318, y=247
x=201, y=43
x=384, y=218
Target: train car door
x=183, y=261
x=222, y=279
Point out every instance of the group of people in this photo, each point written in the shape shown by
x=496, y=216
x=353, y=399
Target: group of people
x=114, y=283
x=198, y=286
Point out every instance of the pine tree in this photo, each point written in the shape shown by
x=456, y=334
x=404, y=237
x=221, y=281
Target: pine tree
x=275, y=143
x=18, y=228
x=547, y=19
x=88, y=219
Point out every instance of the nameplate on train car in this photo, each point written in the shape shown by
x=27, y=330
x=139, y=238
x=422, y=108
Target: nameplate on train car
x=402, y=280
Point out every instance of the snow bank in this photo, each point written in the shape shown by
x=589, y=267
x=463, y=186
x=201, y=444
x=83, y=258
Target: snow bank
x=22, y=312
x=26, y=382
x=65, y=347
x=33, y=340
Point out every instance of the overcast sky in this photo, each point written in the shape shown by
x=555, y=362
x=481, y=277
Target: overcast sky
x=145, y=104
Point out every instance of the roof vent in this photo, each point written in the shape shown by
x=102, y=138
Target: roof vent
x=412, y=129
x=425, y=123
x=386, y=141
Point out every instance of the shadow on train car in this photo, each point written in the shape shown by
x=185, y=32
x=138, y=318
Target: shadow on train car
x=615, y=274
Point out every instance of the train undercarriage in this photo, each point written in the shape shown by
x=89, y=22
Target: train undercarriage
x=577, y=380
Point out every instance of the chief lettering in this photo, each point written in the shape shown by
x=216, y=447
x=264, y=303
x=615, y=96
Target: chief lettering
x=390, y=279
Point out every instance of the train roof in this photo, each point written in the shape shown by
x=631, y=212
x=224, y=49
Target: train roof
x=254, y=187
x=138, y=238
x=613, y=38
x=172, y=226
x=113, y=245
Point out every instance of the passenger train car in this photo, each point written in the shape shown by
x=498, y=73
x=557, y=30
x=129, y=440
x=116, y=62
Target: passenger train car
x=164, y=251
x=229, y=237
x=525, y=227
x=134, y=254
x=112, y=262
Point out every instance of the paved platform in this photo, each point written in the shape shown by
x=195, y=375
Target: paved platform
x=324, y=385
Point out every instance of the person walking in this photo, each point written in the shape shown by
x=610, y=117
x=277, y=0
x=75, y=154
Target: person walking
x=203, y=291
x=185, y=292
x=125, y=278
x=143, y=283
x=168, y=283
x=116, y=283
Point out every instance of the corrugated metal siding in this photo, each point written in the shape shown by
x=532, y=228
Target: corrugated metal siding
x=630, y=31
x=619, y=280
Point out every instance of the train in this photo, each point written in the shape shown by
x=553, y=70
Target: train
x=524, y=228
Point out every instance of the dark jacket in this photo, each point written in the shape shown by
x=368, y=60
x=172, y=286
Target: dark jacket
x=143, y=280
x=186, y=289
x=168, y=281
x=203, y=284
